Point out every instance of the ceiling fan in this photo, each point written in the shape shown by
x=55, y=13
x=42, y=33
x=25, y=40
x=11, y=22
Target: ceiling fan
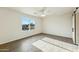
x=42, y=12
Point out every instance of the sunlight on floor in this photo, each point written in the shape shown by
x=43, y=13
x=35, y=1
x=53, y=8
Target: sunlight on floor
x=52, y=45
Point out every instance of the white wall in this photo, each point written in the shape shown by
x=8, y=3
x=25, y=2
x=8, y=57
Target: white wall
x=10, y=25
x=60, y=25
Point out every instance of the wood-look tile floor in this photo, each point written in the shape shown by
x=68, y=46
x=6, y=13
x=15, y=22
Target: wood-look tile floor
x=25, y=45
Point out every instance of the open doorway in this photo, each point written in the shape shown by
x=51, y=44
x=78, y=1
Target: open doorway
x=75, y=27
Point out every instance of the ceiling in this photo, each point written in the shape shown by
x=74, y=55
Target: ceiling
x=38, y=11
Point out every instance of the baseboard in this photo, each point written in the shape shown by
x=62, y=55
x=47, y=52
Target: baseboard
x=19, y=39
x=28, y=37
x=57, y=35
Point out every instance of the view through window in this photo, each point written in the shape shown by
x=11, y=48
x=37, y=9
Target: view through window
x=27, y=23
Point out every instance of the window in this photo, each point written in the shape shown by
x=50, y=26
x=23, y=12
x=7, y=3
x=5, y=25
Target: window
x=27, y=24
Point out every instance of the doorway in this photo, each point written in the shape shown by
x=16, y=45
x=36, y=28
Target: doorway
x=75, y=27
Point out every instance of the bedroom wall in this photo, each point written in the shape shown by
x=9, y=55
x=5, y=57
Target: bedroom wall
x=10, y=25
x=60, y=25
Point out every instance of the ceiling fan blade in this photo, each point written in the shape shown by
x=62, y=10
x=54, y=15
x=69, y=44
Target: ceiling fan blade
x=41, y=11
